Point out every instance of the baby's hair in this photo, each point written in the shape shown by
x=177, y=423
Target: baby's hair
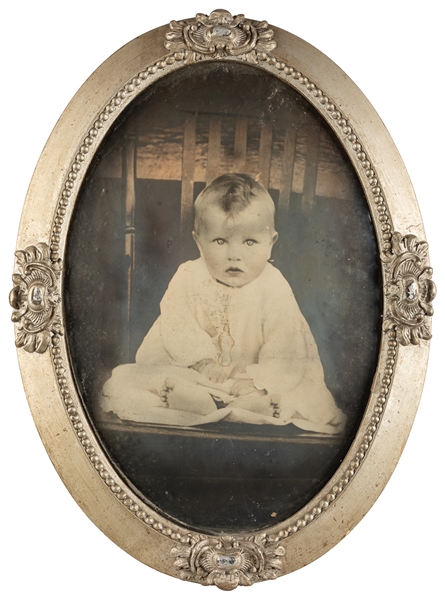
x=232, y=193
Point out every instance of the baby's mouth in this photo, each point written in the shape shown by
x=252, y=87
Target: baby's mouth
x=234, y=270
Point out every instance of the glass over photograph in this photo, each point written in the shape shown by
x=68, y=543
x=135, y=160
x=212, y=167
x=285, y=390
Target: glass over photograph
x=223, y=298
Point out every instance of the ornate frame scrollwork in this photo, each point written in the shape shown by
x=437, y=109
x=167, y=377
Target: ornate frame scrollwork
x=36, y=299
x=220, y=35
x=410, y=290
x=229, y=561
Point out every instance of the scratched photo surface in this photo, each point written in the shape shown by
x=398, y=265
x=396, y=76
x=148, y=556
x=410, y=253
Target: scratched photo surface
x=132, y=229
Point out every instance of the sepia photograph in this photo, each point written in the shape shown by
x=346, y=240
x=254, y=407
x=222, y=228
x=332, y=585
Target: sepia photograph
x=226, y=249
x=222, y=301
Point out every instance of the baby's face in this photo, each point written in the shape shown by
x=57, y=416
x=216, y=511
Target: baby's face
x=236, y=247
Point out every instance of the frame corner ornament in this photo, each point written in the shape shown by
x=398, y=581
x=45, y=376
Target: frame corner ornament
x=220, y=35
x=410, y=290
x=35, y=298
x=215, y=543
x=228, y=562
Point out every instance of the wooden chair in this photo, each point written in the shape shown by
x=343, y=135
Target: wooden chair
x=213, y=144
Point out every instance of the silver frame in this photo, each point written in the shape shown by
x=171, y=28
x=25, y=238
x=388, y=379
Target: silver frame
x=22, y=246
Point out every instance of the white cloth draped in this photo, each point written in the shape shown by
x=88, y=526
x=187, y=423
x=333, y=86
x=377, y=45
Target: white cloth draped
x=256, y=331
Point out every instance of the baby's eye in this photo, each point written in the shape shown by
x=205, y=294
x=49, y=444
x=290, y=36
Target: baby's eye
x=220, y=241
x=250, y=242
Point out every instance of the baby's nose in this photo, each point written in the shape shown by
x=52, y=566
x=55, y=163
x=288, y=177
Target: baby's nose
x=233, y=252
x=234, y=256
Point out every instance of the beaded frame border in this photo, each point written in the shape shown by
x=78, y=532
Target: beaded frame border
x=379, y=212
x=389, y=242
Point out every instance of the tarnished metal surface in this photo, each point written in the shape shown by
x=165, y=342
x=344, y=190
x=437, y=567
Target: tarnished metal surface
x=397, y=401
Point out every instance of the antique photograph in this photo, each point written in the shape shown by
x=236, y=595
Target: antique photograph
x=226, y=249
x=217, y=343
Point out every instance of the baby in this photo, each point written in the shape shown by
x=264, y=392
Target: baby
x=230, y=342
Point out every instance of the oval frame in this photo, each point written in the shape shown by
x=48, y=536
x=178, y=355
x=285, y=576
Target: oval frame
x=404, y=212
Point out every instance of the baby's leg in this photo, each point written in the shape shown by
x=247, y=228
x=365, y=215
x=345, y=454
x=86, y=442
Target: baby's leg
x=313, y=402
x=189, y=398
x=260, y=404
x=130, y=394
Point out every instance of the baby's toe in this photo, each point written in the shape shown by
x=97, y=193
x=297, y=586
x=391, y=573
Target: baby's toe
x=169, y=384
x=275, y=400
x=164, y=396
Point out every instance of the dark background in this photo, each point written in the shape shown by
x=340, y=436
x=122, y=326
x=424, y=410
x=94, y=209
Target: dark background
x=328, y=254
x=61, y=533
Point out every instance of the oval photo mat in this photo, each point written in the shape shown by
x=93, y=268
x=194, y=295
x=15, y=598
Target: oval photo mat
x=223, y=476
x=248, y=15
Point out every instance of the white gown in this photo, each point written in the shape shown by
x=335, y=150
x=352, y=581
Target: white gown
x=256, y=331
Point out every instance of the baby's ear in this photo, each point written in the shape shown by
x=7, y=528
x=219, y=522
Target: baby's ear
x=196, y=238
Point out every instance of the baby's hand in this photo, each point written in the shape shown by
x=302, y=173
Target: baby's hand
x=244, y=387
x=210, y=369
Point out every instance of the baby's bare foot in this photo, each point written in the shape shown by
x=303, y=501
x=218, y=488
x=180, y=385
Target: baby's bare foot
x=261, y=404
x=164, y=393
x=274, y=400
x=189, y=398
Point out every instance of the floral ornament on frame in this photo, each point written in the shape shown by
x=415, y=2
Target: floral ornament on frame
x=410, y=290
x=220, y=35
x=227, y=561
x=35, y=299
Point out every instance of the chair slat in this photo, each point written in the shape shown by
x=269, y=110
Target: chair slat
x=265, y=153
x=311, y=169
x=239, y=162
x=188, y=173
x=287, y=169
x=214, y=150
x=129, y=174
